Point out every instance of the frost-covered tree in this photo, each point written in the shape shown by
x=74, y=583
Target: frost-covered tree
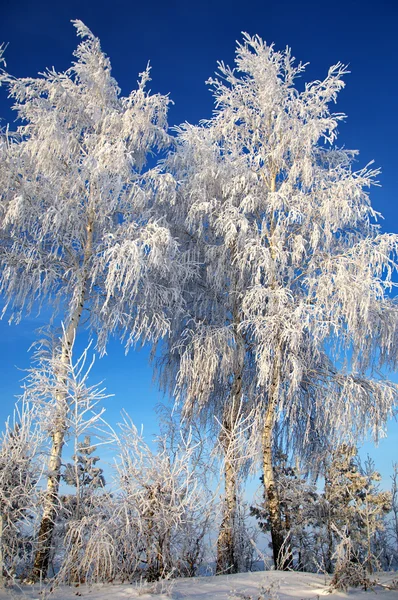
x=82, y=473
x=81, y=511
x=84, y=505
x=291, y=317
x=355, y=506
x=298, y=501
x=85, y=420
x=79, y=229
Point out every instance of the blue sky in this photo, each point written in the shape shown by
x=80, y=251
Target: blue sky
x=183, y=41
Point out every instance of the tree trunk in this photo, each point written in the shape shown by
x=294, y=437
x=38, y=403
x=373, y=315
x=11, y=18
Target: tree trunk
x=281, y=551
x=329, y=555
x=51, y=500
x=227, y=560
x=273, y=503
x=1, y=552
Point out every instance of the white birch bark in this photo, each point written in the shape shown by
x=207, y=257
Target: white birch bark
x=227, y=561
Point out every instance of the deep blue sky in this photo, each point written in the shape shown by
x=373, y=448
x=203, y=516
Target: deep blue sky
x=183, y=41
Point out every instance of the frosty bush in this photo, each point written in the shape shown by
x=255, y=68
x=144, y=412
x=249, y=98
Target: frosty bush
x=161, y=504
x=21, y=465
x=349, y=570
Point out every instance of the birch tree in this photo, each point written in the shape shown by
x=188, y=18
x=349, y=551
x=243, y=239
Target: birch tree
x=291, y=317
x=79, y=229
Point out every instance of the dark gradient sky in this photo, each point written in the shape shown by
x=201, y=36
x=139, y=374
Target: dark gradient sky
x=183, y=41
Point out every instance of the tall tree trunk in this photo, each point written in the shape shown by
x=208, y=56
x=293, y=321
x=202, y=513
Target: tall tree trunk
x=51, y=500
x=1, y=552
x=281, y=552
x=271, y=492
x=329, y=532
x=227, y=560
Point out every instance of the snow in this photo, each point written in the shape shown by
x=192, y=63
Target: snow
x=277, y=585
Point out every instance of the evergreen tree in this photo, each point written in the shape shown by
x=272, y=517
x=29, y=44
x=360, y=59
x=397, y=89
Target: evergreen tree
x=82, y=509
x=356, y=506
x=298, y=501
x=82, y=473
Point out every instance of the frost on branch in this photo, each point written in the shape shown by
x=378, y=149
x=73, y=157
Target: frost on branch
x=294, y=262
x=80, y=228
x=164, y=511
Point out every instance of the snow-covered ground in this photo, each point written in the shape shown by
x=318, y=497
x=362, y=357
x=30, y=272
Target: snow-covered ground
x=269, y=585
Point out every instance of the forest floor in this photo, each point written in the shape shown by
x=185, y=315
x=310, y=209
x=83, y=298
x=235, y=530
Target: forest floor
x=263, y=585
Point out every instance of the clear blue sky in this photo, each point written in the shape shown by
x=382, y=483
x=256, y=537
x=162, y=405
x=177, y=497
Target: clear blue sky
x=183, y=41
